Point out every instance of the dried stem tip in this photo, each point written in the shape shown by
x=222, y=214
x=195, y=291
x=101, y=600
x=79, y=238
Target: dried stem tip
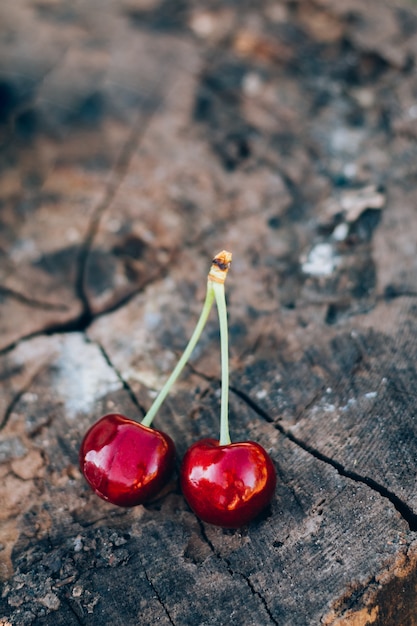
x=220, y=266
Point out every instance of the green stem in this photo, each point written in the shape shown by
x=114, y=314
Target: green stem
x=147, y=420
x=218, y=289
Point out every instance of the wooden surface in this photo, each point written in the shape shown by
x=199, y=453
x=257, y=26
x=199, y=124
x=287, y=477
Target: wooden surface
x=139, y=138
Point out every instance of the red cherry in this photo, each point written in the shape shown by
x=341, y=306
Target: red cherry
x=125, y=462
x=227, y=485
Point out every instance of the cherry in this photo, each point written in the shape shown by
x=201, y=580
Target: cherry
x=227, y=485
x=126, y=463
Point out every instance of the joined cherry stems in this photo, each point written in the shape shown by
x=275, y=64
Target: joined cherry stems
x=215, y=291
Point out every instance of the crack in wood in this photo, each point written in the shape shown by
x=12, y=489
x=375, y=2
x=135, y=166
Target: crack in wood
x=14, y=401
x=86, y=317
x=32, y=302
x=401, y=507
x=81, y=322
x=74, y=325
x=70, y=604
x=233, y=573
x=161, y=602
x=118, y=174
x=260, y=596
x=119, y=375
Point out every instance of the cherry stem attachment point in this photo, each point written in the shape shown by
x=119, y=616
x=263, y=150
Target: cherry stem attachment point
x=217, y=276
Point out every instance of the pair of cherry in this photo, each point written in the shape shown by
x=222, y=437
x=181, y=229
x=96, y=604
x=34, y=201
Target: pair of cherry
x=128, y=463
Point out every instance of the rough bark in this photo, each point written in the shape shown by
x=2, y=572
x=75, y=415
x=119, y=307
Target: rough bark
x=139, y=138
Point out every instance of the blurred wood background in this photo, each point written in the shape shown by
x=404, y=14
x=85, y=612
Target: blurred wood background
x=138, y=138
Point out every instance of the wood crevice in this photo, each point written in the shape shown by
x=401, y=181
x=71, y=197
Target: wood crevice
x=32, y=302
x=233, y=573
x=157, y=595
x=83, y=321
x=401, y=507
x=70, y=604
x=119, y=375
x=17, y=396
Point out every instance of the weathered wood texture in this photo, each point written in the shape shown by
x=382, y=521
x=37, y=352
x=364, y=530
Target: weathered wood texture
x=139, y=138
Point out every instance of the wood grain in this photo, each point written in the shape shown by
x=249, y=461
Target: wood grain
x=139, y=138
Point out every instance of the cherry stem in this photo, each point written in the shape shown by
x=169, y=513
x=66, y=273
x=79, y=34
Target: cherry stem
x=147, y=420
x=215, y=290
x=218, y=289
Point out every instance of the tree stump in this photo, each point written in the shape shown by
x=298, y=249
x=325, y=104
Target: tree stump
x=138, y=139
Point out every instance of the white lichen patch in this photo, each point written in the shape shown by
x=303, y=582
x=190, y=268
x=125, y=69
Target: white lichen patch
x=322, y=260
x=261, y=394
x=349, y=404
x=341, y=232
x=82, y=375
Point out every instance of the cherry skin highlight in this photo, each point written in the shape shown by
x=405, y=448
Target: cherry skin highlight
x=125, y=462
x=227, y=485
